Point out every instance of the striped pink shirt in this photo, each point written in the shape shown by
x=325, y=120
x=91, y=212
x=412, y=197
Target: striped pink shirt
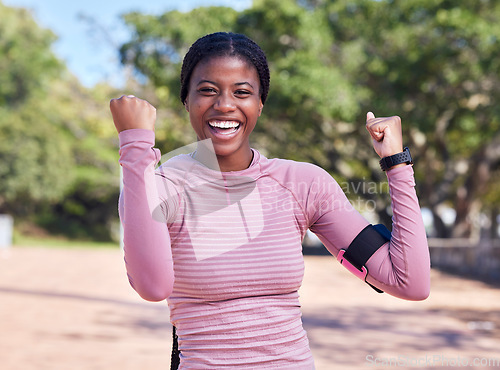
x=233, y=243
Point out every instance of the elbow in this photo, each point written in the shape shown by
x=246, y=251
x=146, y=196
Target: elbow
x=418, y=292
x=418, y=295
x=153, y=292
x=155, y=295
x=409, y=291
x=409, y=294
x=420, y=289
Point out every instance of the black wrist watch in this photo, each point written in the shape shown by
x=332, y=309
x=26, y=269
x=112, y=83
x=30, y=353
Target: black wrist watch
x=404, y=157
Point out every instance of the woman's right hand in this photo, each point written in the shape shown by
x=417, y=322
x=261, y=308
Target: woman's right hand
x=130, y=112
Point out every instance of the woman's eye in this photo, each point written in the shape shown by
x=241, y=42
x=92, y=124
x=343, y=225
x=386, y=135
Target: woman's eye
x=242, y=93
x=207, y=90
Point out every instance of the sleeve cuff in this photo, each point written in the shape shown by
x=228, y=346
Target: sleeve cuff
x=403, y=173
x=134, y=135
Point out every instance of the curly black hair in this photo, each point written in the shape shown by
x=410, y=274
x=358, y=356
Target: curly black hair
x=225, y=44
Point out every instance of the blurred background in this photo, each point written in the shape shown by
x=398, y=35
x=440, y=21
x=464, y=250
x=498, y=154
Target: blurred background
x=434, y=63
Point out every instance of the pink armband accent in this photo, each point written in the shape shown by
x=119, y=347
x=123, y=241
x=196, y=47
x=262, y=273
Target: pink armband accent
x=349, y=266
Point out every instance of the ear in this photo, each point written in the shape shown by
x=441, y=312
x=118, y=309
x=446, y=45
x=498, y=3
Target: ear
x=186, y=104
x=261, y=106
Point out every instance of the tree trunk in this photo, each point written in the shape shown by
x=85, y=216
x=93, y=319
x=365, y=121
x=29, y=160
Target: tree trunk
x=494, y=223
x=440, y=228
x=468, y=194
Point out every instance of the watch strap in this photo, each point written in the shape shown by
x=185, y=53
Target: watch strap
x=398, y=158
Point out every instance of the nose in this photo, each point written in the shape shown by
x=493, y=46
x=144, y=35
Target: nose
x=225, y=103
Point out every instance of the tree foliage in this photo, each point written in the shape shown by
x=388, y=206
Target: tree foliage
x=29, y=163
x=57, y=146
x=436, y=63
x=433, y=62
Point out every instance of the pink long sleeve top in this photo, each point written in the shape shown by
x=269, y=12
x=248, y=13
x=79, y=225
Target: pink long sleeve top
x=225, y=249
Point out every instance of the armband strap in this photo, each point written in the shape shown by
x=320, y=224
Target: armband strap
x=367, y=242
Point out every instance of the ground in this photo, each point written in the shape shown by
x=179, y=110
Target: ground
x=73, y=309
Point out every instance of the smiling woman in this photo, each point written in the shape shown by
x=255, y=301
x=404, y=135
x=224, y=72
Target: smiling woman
x=218, y=232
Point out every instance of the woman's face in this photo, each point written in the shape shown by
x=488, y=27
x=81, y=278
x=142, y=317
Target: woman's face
x=224, y=104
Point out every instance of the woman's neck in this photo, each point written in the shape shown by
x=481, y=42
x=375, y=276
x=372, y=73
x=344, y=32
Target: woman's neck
x=228, y=164
x=206, y=155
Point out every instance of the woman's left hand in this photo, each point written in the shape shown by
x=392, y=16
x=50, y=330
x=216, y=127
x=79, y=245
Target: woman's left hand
x=386, y=134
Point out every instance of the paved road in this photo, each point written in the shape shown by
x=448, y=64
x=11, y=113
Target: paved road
x=73, y=309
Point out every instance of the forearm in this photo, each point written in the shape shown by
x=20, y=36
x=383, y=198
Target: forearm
x=147, y=249
x=402, y=266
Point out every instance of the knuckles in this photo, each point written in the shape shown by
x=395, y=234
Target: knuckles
x=393, y=120
x=396, y=119
x=130, y=112
x=131, y=102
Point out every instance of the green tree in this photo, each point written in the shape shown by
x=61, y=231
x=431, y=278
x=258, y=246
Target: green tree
x=87, y=208
x=32, y=167
x=436, y=63
x=58, y=159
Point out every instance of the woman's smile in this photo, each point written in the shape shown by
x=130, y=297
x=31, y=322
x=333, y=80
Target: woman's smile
x=224, y=129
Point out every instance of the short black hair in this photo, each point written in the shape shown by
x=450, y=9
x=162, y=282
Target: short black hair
x=225, y=44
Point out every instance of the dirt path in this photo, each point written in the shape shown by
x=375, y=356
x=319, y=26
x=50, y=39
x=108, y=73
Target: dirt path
x=73, y=309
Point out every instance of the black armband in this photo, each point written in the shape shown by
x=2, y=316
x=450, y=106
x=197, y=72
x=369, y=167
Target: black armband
x=367, y=242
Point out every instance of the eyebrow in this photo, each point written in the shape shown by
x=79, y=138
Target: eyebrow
x=236, y=84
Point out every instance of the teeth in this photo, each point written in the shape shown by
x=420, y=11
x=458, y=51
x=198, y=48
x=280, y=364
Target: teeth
x=224, y=124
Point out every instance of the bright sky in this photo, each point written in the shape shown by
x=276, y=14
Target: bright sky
x=90, y=51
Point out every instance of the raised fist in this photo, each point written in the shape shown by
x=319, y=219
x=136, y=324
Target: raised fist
x=130, y=112
x=386, y=134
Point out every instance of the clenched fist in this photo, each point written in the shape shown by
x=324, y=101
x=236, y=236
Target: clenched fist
x=386, y=134
x=130, y=112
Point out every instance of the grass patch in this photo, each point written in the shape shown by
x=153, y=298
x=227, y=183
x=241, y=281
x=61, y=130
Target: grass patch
x=58, y=242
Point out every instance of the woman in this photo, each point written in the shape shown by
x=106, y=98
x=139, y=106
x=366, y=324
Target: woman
x=218, y=232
